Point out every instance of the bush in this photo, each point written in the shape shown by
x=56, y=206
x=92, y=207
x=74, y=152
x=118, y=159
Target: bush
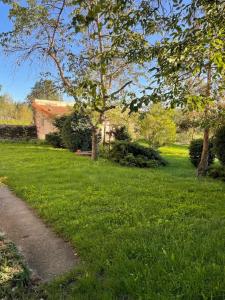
x=219, y=144
x=54, y=139
x=121, y=134
x=76, y=132
x=133, y=154
x=195, y=151
x=104, y=151
x=217, y=172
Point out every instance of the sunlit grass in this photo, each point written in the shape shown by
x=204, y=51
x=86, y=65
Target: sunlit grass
x=140, y=233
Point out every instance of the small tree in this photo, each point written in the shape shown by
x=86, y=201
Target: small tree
x=157, y=126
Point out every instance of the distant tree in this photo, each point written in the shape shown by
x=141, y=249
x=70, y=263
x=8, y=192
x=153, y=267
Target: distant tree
x=117, y=119
x=44, y=89
x=157, y=126
x=14, y=113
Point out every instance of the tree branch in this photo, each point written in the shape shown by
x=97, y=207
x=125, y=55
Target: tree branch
x=122, y=88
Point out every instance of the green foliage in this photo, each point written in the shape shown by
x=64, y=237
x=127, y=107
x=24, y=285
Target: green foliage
x=54, y=139
x=12, y=113
x=76, y=132
x=195, y=151
x=14, y=275
x=217, y=172
x=157, y=126
x=121, y=134
x=18, y=132
x=46, y=90
x=219, y=144
x=139, y=161
x=133, y=154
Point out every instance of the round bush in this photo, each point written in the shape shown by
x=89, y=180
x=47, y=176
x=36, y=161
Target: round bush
x=76, y=132
x=195, y=151
x=133, y=154
x=219, y=144
x=54, y=139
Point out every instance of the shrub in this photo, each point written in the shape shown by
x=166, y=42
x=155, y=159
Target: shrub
x=219, y=144
x=104, y=151
x=217, y=172
x=76, y=132
x=121, y=134
x=195, y=151
x=54, y=139
x=133, y=154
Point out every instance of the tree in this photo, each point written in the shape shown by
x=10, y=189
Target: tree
x=44, y=89
x=119, y=118
x=93, y=45
x=13, y=113
x=192, y=54
x=157, y=126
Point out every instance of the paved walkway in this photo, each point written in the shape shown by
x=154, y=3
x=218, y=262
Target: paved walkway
x=46, y=254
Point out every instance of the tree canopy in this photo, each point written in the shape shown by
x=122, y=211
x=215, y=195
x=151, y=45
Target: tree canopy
x=44, y=89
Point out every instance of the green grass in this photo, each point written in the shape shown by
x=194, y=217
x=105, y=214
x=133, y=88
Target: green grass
x=140, y=233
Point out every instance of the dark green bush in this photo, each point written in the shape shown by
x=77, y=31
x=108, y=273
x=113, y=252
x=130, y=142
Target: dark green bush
x=17, y=132
x=54, y=139
x=217, y=172
x=121, y=134
x=219, y=144
x=195, y=151
x=133, y=154
x=76, y=132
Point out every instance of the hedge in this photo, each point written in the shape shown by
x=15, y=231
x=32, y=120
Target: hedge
x=17, y=132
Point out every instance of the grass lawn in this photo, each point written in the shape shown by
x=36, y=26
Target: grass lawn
x=140, y=233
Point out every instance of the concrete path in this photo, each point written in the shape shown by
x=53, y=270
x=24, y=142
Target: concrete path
x=46, y=254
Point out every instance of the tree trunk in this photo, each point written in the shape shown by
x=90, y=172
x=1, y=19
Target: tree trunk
x=203, y=165
x=94, y=151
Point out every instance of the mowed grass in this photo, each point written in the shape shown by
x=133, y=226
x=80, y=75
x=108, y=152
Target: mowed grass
x=140, y=233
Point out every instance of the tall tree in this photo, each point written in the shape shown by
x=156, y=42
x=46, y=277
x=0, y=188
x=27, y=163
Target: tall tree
x=44, y=89
x=191, y=54
x=92, y=43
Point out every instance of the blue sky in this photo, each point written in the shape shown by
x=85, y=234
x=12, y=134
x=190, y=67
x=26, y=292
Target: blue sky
x=16, y=80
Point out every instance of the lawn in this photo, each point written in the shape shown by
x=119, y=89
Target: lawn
x=140, y=233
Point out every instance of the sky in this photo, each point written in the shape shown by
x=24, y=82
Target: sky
x=15, y=80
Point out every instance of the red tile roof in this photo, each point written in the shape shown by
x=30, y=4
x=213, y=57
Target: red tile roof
x=52, y=111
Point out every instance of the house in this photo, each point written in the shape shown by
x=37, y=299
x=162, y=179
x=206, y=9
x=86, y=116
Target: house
x=45, y=111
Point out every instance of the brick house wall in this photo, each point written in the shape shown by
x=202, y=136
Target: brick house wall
x=43, y=125
x=45, y=112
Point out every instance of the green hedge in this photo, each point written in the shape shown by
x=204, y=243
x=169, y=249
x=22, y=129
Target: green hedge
x=17, y=132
